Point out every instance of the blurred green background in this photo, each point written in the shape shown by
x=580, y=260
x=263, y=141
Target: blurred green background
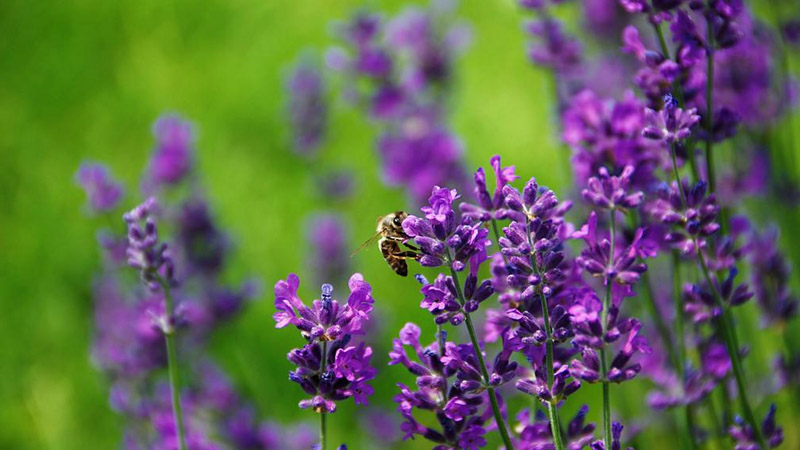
x=85, y=79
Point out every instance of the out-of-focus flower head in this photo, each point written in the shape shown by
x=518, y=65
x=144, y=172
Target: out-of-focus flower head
x=172, y=158
x=102, y=191
x=145, y=251
x=307, y=108
x=770, y=276
x=328, y=248
x=608, y=133
x=745, y=437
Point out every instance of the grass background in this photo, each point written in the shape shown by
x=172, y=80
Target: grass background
x=85, y=79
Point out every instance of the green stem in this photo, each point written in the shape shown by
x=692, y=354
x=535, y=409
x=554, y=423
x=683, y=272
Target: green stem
x=496, y=232
x=552, y=410
x=658, y=320
x=677, y=173
x=172, y=363
x=604, y=323
x=323, y=418
x=726, y=325
x=498, y=415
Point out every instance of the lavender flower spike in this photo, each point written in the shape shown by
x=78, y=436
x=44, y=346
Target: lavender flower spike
x=172, y=159
x=102, y=191
x=671, y=124
x=144, y=251
x=611, y=192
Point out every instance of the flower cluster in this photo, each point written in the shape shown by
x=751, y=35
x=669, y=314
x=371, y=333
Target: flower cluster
x=330, y=369
x=692, y=219
x=130, y=322
x=446, y=387
x=406, y=66
x=442, y=238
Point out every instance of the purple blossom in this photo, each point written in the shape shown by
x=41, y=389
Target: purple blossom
x=442, y=240
x=102, y=191
x=695, y=387
x=328, y=248
x=589, y=338
x=745, y=437
x=770, y=276
x=612, y=192
x=536, y=434
x=700, y=302
x=327, y=319
x=616, y=434
x=489, y=206
x=145, y=252
x=596, y=259
x=172, y=157
x=672, y=124
x=457, y=411
x=691, y=223
x=329, y=369
x=608, y=133
x=553, y=48
x=307, y=108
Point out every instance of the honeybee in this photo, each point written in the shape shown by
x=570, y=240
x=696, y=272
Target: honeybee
x=389, y=235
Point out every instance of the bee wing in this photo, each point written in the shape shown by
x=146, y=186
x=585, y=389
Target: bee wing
x=375, y=237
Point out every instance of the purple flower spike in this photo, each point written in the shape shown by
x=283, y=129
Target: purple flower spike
x=329, y=368
x=440, y=237
x=616, y=434
x=745, y=437
x=327, y=319
x=671, y=124
x=102, y=191
x=458, y=404
x=489, y=206
x=145, y=252
x=691, y=223
x=612, y=192
x=534, y=433
x=172, y=158
x=307, y=107
x=624, y=267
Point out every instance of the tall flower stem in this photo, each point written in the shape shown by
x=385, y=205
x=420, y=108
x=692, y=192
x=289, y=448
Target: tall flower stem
x=172, y=362
x=726, y=327
x=496, y=232
x=498, y=415
x=323, y=417
x=658, y=320
x=604, y=322
x=680, y=368
x=552, y=409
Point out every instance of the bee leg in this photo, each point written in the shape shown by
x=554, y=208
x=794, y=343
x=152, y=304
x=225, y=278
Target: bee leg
x=408, y=255
x=412, y=247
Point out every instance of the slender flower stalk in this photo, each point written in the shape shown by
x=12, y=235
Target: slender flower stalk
x=498, y=415
x=172, y=363
x=323, y=417
x=604, y=321
x=552, y=409
x=725, y=323
x=728, y=333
